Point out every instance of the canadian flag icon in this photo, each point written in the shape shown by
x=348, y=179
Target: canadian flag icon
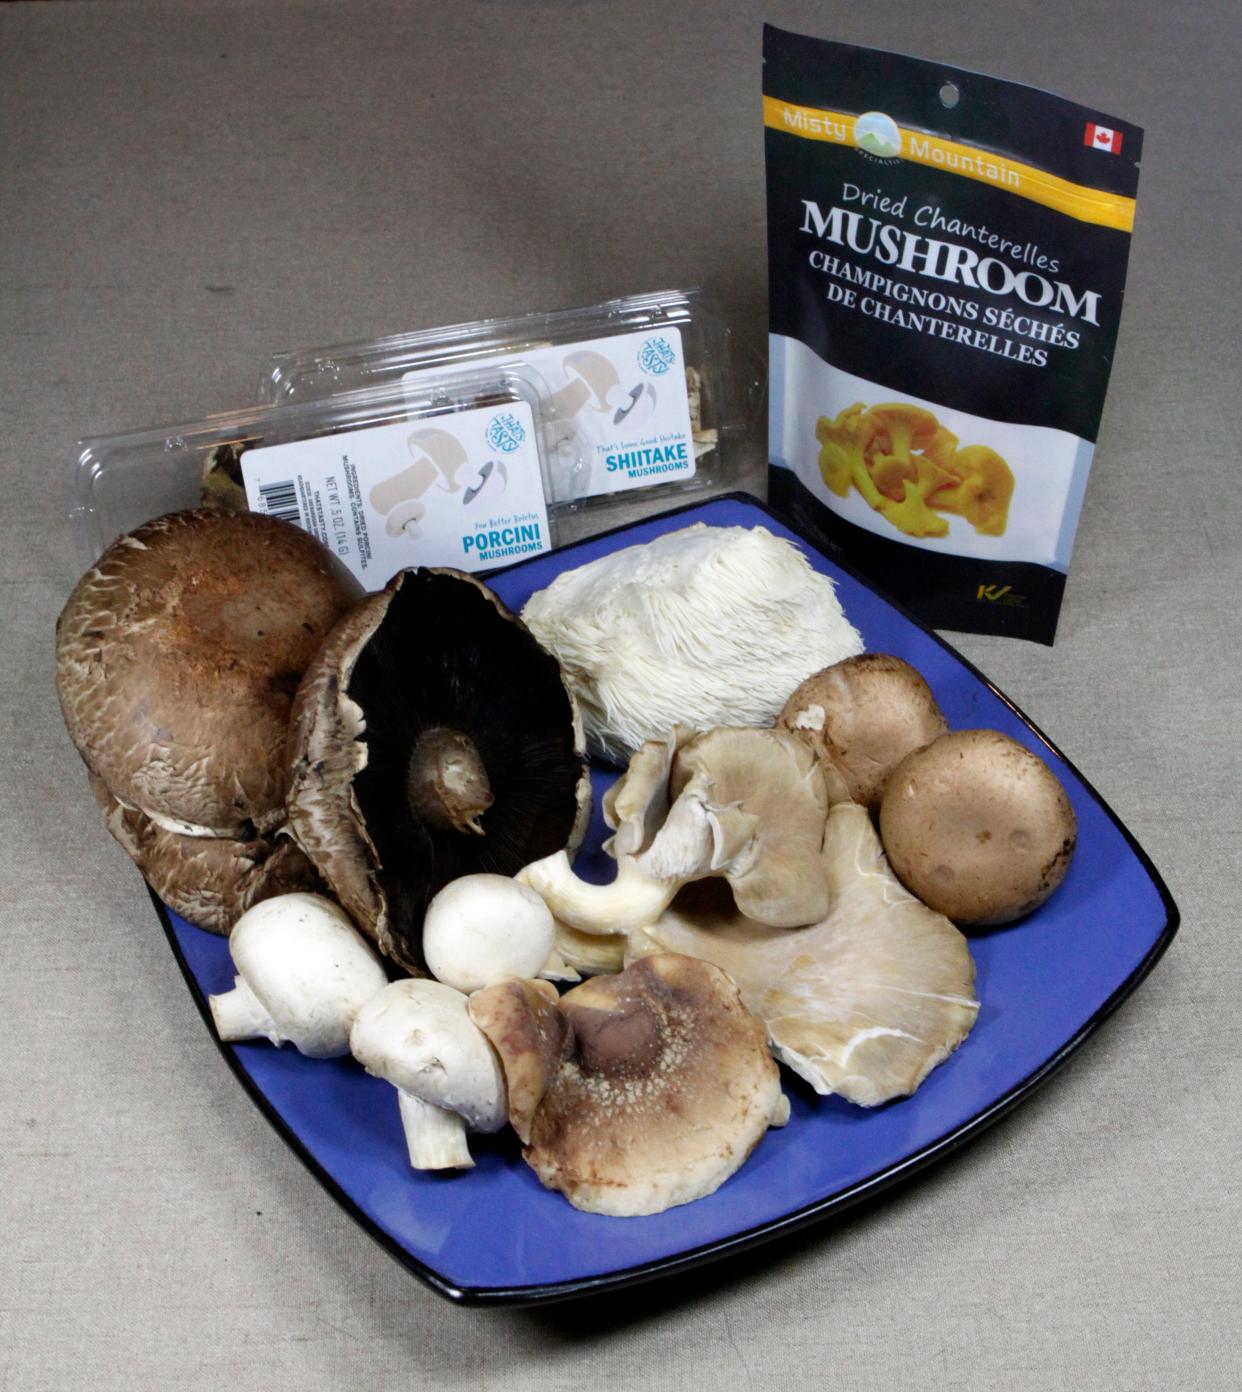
x=1101, y=138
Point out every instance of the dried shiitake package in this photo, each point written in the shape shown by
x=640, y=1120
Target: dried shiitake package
x=947, y=256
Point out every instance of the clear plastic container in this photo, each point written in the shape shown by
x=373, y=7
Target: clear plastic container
x=455, y=470
x=649, y=397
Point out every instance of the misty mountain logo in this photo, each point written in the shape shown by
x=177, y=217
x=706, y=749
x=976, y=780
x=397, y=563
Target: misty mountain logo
x=878, y=135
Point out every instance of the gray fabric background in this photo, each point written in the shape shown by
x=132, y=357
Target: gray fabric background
x=186, y=187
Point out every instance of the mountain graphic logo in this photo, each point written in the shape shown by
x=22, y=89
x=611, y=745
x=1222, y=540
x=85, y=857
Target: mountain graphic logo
x=878, y=135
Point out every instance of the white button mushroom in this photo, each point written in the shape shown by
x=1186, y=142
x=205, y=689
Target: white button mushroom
x=418, y=1036
x=303, y=973
x=483, y=929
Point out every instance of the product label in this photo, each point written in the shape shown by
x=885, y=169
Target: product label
x=461, y=489
x=618, y=411
x=947, y=258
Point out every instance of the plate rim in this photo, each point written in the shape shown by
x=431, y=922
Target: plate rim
x=545, y=1293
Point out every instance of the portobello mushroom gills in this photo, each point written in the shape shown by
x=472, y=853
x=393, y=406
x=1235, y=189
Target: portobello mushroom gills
x=432, y=738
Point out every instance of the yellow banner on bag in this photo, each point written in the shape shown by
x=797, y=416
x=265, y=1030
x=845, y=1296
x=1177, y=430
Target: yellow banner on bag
x=1076, y=200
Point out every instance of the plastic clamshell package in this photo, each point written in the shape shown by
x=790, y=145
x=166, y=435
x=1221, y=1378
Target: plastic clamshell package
x=493, y=1235
x=117, y=482
x=729, y=381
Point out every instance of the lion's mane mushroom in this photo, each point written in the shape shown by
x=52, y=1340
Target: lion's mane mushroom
x=862, y=717
x=978, y=827
x=661, y=1087
x=865, y=1002
x=745, y=805
x=432, y=737
x=709, y=626
x=177, y=657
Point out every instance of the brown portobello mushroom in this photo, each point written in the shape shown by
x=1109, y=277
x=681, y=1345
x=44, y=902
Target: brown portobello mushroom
x=431, y=738
x=177, y=659
x=978, y=827
x=862, y=716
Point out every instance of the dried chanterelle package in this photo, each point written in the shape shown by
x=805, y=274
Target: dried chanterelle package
x=947, y=256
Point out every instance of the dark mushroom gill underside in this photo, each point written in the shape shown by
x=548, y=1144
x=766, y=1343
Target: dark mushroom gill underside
x=448, y=661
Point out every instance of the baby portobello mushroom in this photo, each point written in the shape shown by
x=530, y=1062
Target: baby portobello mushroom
x=303, y=973
x=978, y=827
x=177, y=659
x=745, y=805
x=662, y=1087
x=862, y=716
x=431, y=738
x=418, y=1036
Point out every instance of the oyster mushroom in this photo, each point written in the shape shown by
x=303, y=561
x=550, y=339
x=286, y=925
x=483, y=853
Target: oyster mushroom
x=978, y=827
x=745, y=805
x=431, y=738
x=709, y=626
x=865, y=1002
x=664, y=1086
x=862, y=717
x=177, y=658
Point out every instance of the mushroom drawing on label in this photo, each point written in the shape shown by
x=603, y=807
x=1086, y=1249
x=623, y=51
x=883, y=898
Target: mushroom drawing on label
x=432, y=738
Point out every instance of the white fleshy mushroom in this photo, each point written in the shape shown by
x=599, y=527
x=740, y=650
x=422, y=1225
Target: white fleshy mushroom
x=418, y=1036
x=483, y=929
x=303, y=973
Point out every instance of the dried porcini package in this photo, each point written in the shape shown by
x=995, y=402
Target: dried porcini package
x=947, y=256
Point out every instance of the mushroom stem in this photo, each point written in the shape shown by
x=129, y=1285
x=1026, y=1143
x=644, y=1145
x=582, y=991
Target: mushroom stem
x=239, y=1014
x=447, y=782
x=434, y=1136
x=632, y=900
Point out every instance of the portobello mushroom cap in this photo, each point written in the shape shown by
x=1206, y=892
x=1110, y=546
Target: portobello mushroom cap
x=209, y=880
x=431, y=738
x=177, y=658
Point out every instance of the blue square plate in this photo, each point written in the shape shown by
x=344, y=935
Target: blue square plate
x=494, y=1235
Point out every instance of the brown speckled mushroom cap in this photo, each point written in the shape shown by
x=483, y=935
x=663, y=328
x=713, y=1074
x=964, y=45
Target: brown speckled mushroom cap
x=862, y=716
x=432, y=737
x=665, y=1087
x=209, y=880
x=978, y=827
x=177, y=658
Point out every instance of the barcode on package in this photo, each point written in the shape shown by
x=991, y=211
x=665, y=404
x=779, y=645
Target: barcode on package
x=280, y=499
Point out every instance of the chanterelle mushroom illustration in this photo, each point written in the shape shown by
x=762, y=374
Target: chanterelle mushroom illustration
x=431, y=738
x=862, y=717
x=177, y=658
x=418, y=1036
x=664, y=1086
x=708, y=626
x=745, y=805
x=863, y=1003
x=303, y=973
